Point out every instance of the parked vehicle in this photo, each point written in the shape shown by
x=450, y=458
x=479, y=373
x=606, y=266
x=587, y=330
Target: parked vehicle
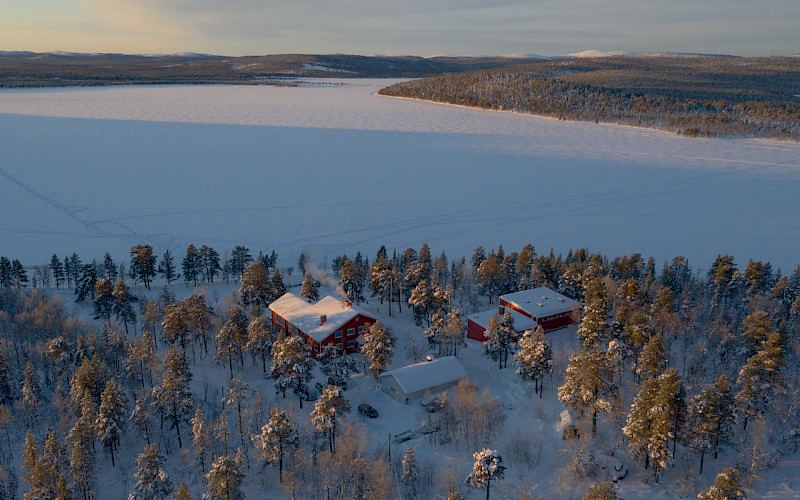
x=367, y=410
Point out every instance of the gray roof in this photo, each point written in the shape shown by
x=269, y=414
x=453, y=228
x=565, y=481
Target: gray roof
x=429, y=374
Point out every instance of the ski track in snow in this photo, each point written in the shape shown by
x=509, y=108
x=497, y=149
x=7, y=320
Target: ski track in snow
x=334, y=169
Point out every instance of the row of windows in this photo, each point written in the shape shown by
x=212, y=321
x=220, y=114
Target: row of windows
x=350, y=332
x=350, y=344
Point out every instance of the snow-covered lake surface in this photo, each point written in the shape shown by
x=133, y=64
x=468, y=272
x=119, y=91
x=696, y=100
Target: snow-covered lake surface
x=336, y=168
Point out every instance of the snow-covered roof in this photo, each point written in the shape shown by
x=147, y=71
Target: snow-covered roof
x=541, y=302
x=521, y=322
x=306, y=316
x=422, y=376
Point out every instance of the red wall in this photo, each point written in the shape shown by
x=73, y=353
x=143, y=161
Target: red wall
x=475, y=331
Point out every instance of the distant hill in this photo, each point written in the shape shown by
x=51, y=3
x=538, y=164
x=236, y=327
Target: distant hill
x=58, y=69
x=696, y=95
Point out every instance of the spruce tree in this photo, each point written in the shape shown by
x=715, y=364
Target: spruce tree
x=410, y=476
x=761, y=379
x=166, y=267
x=588, y=384
x=57, y=270
x=191, y=264
x=172, y=396
x=310, y=288
x=201, y=439
x=260, y=338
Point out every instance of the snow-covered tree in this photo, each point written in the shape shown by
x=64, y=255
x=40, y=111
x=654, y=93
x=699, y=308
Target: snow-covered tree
x=330, y=404
x=601, y=491
x=761, y=379
x=121, y=306
x=231, y=341
x=725, y=487
x=111, y=417
x=535, y=358
x=277, y=437
x=238, y=392
x=310, y=287
x=291, y=366
x=201, y=438
x=410, y=476
x=192, y=264
x=351, y=280
x=594, y=323
x=710, y=419
x=588, y=385
x=143, y=264
x=500, y=337
x=377, y=348
x=152, y=481
x=172, y=396
x=256, y=287
x=260, y=337
x=225, y=479
x=166, y=267
x=32, y=394
x=488, y=467
x=182, y=493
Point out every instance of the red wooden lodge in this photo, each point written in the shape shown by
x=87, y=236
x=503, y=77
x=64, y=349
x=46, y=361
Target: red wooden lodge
x=330, y=321
x=529, y=308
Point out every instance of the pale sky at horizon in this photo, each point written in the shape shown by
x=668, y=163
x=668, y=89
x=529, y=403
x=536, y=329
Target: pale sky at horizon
x=419, y=27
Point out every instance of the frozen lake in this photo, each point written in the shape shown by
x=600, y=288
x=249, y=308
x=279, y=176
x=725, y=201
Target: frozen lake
x=335, y=168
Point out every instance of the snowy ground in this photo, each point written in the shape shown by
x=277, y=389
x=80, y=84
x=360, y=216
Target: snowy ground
x=336, y=168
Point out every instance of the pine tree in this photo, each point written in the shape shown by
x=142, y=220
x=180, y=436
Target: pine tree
x=111, y=417
x=310, y=288
x=351, y=281
x=652, y=360
x=201, y=438
x=595, y=314
x=601, y=491
x=57, y=269
x=108, y=269
x=140, y=416
x=260, y=337
x=488, y=467
x=410, y=477
x=291, y=366
x=588, y=384
x=172, y=396
x=277, y=288
x=377, y=348
x=238, y=392
x=166, y=267
x=121, y=306
x=330, y=404
x=183, y=493
x=535, y=358
x=230, y=343
x=143, y=264
x=761, y=379
x=277, y=437
x=500, y=337
x=152, y=481
x=222, y=432
x=209, y=261
x=240, y=259
x=710, y=418
x=225, y=480
x=191, y=264
x=726, y=487
x=104, y=300
x=81, y=469
x=31, y=394
x=255, y=286
x=86, y=282
x=175, y=326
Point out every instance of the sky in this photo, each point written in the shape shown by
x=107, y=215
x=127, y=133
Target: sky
x=418, y=27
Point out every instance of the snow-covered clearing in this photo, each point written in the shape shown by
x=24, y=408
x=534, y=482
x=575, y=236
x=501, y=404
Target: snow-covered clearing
x=336, y=168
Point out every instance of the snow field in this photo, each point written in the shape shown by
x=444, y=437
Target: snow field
x=335, y=168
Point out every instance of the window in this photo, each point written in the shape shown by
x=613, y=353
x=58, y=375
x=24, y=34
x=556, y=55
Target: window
x=338, y=334
x=351, y=331
x=356, y=318
x=292, y=328
x=360, y=329
x=351, y=343
x=339, y=345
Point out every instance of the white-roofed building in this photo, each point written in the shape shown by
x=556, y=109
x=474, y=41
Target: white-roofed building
x=529, y=308
x=414, y=381
x=329, y=321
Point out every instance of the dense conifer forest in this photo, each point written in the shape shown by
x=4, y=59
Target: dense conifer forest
x=671, y=368
x=694, y=96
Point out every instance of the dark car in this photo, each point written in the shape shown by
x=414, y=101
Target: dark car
x=367, y=410
x=338, y=382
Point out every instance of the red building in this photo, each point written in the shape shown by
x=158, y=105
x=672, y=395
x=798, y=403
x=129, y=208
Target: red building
x=530, y=309
x=329, y=321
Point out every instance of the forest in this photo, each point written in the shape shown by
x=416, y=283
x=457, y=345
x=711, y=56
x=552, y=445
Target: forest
x=673, y=369
x=694, y=96
x=29, y=69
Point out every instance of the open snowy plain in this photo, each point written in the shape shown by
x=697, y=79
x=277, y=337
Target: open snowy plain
x=335, y=168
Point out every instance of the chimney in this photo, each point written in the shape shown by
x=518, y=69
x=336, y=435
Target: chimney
x=308, y=300
x=346, y=304
x=322, y=319
x=502, y=310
